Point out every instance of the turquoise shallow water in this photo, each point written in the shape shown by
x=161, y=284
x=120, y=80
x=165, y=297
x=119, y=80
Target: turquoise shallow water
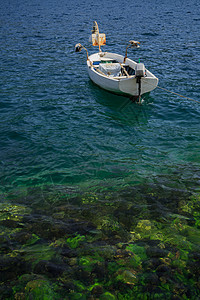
x=56, y=126
x=99, y=196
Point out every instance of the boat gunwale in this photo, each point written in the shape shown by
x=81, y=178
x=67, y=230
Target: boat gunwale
x=116, y=78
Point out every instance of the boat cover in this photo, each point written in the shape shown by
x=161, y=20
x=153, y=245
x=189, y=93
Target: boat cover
x=111, y=69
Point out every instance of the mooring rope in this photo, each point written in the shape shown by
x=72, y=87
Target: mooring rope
x=178, y=94
x=166, y=90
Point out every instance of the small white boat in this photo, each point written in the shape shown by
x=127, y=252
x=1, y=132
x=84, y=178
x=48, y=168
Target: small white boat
x=117, y=73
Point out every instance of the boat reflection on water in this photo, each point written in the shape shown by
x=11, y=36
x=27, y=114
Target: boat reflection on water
x=122, y=108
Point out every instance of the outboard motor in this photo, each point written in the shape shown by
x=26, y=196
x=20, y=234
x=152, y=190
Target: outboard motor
x=139, y=73
x=140, y=70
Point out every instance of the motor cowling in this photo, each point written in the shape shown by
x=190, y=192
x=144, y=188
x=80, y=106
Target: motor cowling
x=140, y=70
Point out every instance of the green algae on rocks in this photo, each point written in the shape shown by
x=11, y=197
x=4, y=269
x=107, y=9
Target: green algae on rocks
x=130, y=244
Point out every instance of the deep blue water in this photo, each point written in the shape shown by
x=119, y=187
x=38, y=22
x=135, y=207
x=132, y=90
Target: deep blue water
x=57, y=127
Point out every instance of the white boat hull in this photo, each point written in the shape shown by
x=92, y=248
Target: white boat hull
x=127, y=85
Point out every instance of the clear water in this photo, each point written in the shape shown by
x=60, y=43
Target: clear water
x=99, y=195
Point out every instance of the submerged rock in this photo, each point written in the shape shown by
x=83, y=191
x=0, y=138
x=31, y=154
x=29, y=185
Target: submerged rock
x=49, y=268
x=83, y=275
x=163, y=269
x=144, y=225
x=100, y=270
x=156, y=252
x=152, y=279
x=21, y=237
x=151, y=264
x=107, y=252
x=127, y=276
x=6, y=291
x=5, y=244
x=11, y=223
x=107, y=296
x=68, y=252
x=97, y=290
x=39, y=289
x=10, y=267
x=101, y=248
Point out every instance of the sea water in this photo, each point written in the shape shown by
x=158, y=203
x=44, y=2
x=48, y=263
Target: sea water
x=66, y=142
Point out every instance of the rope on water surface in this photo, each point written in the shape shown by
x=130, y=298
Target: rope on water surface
x=178, y=94
x=175, y=93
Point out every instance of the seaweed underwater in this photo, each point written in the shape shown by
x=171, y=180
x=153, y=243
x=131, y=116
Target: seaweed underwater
x=140, y=242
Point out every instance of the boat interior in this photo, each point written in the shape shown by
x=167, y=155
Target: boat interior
x=112, y=68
